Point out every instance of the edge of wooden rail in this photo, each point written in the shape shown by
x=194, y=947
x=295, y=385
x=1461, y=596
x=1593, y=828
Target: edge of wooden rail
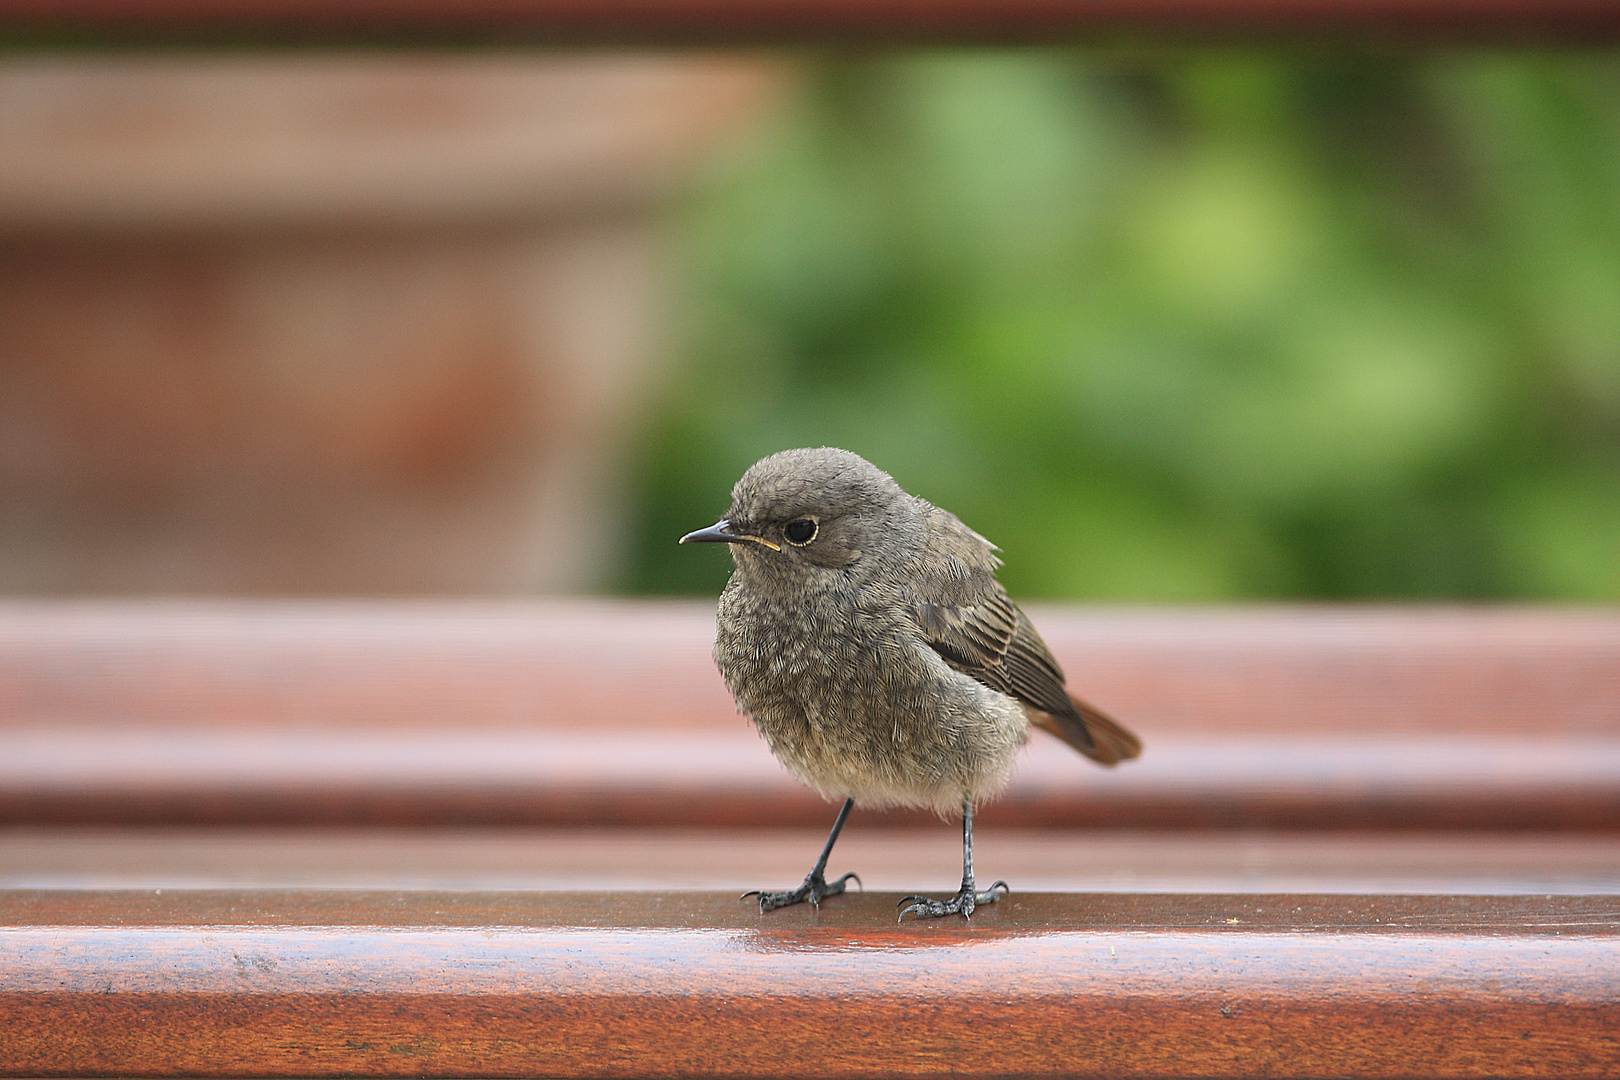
x=801, y=21
x=99, y=776
x=700, y=984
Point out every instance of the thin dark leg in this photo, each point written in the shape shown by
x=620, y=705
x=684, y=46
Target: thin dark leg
x=832, y=838
x=816, y=887
x=965, y=900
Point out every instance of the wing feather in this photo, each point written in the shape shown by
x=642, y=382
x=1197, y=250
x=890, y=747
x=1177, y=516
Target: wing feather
x=967, y=617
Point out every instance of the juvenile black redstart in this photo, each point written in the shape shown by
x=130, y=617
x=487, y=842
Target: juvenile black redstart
x=864, y=631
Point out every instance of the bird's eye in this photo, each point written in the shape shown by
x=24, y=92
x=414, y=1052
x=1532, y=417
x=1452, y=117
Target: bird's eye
x=800, y=532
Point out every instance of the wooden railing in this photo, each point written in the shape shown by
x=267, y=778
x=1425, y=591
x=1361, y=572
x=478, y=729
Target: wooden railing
x=582, y=714
x=511, y=984
x=262, y=839
x=860, y=22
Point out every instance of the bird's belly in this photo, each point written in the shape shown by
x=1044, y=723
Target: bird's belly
x=873, y=723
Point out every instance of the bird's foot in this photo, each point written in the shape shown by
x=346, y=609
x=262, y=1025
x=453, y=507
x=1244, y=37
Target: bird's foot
x=962, y=903
x=815, y=889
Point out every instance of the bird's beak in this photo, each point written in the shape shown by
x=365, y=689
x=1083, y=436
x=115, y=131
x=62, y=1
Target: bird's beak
x=721, y=532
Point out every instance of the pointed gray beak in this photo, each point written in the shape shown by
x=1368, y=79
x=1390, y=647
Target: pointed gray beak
x=721, y=532
x=718, y=533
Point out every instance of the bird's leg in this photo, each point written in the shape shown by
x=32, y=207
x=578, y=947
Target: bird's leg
x=965, y=900
x=816, y=887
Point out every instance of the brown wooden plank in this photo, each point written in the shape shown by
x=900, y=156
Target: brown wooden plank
x=796, y=21
x=568, y=665
x=589, y=665
x=299, y=984
x=611, y=713
x=887, y=859
x=708, y=779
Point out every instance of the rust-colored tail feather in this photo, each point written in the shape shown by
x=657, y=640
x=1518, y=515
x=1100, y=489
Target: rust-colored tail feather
x=1102, y=739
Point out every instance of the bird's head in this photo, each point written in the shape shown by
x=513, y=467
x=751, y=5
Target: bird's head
x=799, y=511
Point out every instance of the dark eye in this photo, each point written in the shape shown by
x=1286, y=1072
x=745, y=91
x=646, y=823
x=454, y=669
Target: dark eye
x=800, y=532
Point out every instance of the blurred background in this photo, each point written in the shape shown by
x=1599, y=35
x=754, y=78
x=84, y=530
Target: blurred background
x=1165, y=325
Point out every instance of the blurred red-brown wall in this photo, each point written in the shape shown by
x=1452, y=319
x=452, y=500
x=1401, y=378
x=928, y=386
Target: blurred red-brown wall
x=333, y=324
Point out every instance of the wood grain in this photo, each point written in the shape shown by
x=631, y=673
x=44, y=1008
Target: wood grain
x=799, y=21
x=300, y=984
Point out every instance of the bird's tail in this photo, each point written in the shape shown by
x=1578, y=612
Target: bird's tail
x=1097, y=735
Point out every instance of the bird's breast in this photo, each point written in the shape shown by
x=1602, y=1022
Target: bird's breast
x=856, y=704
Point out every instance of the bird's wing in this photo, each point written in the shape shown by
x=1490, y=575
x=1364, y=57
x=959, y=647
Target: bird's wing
x=991, y=640
x=967, y=617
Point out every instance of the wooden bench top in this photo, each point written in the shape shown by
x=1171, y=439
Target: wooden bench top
x=693, y=984
x=271, y=839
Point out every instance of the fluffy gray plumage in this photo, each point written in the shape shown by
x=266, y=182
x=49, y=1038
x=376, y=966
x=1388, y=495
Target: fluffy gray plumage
x=879, y=658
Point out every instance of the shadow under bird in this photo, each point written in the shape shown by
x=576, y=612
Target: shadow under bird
x=865, y=633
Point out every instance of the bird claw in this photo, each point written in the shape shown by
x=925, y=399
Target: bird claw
x=962, y=903
x=814, y=890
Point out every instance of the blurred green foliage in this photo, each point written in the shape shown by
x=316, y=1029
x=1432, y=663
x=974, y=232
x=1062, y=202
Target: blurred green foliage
x=1184, y=326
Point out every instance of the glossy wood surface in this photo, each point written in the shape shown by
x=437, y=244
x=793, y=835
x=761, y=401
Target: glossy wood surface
x=696, y=984
x=795, y=21
x=589, y=714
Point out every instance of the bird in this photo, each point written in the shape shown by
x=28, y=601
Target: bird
x=865, y=634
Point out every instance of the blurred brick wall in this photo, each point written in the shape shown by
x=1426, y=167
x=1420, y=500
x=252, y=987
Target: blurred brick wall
x=333, y=325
